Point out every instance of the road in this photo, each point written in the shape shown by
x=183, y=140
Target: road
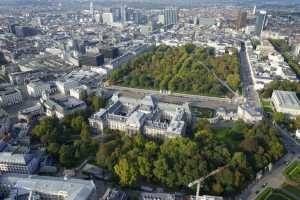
x=177, y=98
x=249, y=92
x=275, y=177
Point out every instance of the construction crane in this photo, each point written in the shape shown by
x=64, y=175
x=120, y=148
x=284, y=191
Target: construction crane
x=200, y=180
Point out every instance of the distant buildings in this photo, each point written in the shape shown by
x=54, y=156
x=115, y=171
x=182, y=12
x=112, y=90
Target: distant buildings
x=145, y=116
x=10, y=96
x=170, y=16
x=286, y=102
x=261, y=20
x=91, y=60
x=23, y=31
x=123, y=13
x=110, y=52
x=241, y=19
x=108, y=18
x=18, y=186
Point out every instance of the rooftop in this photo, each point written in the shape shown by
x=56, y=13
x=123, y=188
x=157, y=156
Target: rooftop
x=287, y=99
x=70, y=189
x=9, y=157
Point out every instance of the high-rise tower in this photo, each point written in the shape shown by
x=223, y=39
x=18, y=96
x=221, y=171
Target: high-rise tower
x=241, y=21
x=261, y=19
x=170, y=16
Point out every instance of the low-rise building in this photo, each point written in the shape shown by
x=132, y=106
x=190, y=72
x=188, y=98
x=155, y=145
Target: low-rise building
x=64, y=86
x=297, y=134
x=10, y=96
x=28, y=114
x=21, y=186
x=62, y=106
x=37, y=88
x=249, y=114
x=147, y=116
x=114, y=194
x=155, y=196
x=75, y=79
x=80, y=92
x=4, y=122
x=286, y=102
x=11, y=162
x=207, y=197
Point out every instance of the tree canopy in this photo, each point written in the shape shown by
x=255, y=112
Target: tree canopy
x=69, y=140
x=180, y=69
x=279, y=85
x=176, y=162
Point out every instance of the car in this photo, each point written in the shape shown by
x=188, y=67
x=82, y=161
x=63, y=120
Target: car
x=287, y=162
x=257, y=191
x=264, y=185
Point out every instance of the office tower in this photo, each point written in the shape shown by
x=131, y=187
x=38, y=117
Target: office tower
x=161, y=19
x=12, y=28
x=110, y=52
x=91, y=59
x=25, y=31
x=123, y=13
x=116, y=13
x=261, y=19
x=254, y=10
x=108, y=18
x=170, y=16
x=196, y=20
x=91, y=8
x=137, y=17
x=241, y=19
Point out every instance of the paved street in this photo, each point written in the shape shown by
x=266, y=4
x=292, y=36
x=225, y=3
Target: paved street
x=248, y=88
x=274, y=178
x=204, y=101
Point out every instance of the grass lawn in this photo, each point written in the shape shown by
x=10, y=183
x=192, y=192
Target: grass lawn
x=203, y=112
x=265, y=194
x=273, y=194
x=292, y=171
x=267, y=105
x=295, y=189
x=279, y=196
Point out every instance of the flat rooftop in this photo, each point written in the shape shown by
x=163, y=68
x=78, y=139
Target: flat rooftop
x=287, y=99
x=70, y=189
